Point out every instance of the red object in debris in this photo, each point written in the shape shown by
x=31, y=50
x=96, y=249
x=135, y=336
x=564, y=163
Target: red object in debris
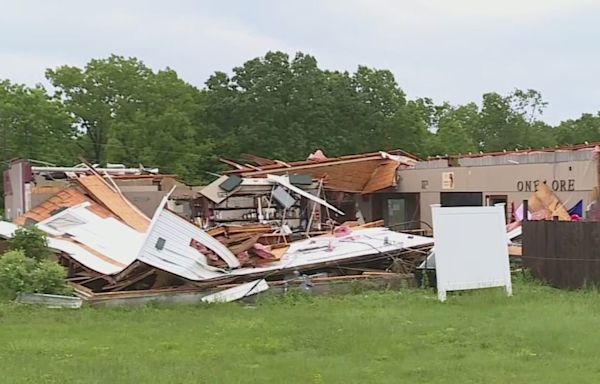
x=211, y=257
x=244, y=258
x=513, y=225
x=198, y=246
x=575, y=217
x=318, y=155
x=214, y=260
x=263, y=251
x=342, y=231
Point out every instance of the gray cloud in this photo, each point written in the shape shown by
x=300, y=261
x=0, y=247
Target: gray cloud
x=449, y=50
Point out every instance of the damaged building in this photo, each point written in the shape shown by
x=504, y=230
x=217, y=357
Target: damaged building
x=347, y=182
x=26, y=186
x=133, y=233
x=399, y=188
x=110, y=247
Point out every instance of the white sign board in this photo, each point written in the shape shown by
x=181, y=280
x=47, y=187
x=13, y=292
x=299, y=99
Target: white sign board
x=470, y=248
x=447, y=180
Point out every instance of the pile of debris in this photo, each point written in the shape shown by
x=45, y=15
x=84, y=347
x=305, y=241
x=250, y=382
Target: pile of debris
x=257, y=192
x=543, y=204
x=112, y=250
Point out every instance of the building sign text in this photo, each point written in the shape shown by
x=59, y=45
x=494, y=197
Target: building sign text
x=567, y=185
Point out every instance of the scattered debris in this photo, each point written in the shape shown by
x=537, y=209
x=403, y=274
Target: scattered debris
x=50, y=301
x=352, y=174
x=112, y=249
x=238, y=292
x=544, y=200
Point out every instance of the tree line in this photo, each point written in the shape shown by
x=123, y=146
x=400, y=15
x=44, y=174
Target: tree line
x=118, y=110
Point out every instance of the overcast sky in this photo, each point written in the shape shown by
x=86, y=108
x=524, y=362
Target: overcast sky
x=450, y=50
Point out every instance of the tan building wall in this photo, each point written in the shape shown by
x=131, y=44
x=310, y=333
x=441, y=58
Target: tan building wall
x=572, y=181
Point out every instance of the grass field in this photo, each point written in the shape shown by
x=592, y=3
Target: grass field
x=540, y=335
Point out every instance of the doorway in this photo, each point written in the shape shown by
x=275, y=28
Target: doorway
x=400, y=210
x=461, y=199
x=492, y=200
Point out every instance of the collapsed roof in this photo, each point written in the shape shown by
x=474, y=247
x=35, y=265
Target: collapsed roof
x=363, y=173
x=97, y=228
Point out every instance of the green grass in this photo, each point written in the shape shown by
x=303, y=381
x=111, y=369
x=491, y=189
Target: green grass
x=540, y=335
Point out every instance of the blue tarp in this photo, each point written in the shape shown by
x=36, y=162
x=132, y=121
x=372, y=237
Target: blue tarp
x=577, y=209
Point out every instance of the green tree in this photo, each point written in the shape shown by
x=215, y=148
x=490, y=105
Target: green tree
x=32, y=242
x=34, y=126
x=279, y=107
x=410, y=128
x=104, y=92
x=456, y=128
x=585, y=128
x=19, y=273
x=129, y=114
x=510, y=122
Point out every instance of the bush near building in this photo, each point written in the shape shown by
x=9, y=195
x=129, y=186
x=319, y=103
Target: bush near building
x=26, y=266
x=33, y=242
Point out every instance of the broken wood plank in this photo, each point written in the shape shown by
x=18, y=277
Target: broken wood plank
x=127, y=283
x=232, y=163
x=515, y=250
x=244, y=246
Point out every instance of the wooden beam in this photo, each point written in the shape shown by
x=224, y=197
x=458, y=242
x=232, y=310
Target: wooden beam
x=232, y=163
x=130, y=282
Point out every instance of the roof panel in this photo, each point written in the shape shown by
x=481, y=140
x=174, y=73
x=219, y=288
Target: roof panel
x=66, y=198
x=383, y=177
x=97, y=187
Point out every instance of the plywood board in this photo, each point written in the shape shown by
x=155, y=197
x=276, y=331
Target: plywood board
x=102, y=192
x=383, y=177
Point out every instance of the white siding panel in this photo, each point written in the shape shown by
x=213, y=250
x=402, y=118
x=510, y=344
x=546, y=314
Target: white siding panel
x=177, y=256
x=77, y=252
x=7, y=229
x=328, y=248
x=237, y=293
x=109, y=237
x=85, y=257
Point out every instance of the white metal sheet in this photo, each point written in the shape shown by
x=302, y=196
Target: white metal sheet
x=114, y=242
x=93, y=261
x=516, y=232
x=284, y=181
x=330, y=249
x=237, y=293
x=7, y=229
x=177, y=254
x=214, y=192
x=50, y=301
x=470, y=248
x=99, y=264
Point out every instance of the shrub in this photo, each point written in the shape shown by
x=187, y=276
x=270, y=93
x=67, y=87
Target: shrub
x=19, y=273
x=48, y=277
x=33, y=242
x=15, y=271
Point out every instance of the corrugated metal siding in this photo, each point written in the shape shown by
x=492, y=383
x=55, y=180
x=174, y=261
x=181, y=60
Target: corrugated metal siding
x=558, y=156
x=177, y=256
x=527, y=158
x=432, y=164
